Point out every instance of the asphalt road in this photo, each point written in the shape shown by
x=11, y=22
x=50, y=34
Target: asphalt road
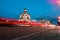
x=29, y=33
x=9, y=33
x=51, y=34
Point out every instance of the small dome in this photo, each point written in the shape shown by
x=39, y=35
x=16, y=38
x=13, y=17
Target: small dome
x=25, y=9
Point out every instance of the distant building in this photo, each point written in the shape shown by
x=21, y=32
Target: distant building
x=58, y=20
x=25, y=16
x=46, y=22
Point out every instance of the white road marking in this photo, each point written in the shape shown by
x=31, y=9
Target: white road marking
x=27, y=35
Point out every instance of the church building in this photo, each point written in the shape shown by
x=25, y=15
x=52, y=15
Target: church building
x=25, y=16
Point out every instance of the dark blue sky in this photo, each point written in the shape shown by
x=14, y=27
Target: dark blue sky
x=36, y=8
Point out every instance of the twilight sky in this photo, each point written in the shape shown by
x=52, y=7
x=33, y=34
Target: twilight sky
x=36, y=8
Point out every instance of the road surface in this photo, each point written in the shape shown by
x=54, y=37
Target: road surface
x=52, y=34
x=29, y=33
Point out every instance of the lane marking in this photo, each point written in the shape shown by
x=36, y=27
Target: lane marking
x=28, y=35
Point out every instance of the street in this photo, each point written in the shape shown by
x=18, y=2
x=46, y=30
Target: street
x=53, y=34
x=47, y=35
x=29, y=33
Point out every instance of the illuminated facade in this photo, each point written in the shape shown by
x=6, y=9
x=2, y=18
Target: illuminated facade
x=25, y=16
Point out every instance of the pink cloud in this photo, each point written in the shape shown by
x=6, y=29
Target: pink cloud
x=56, y=2
x=52, y=1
